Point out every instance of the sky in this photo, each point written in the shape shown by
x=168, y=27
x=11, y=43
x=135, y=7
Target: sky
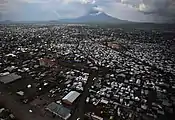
x=132, y=10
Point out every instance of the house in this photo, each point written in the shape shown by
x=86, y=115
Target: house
x=93, y=116
x=47, y=62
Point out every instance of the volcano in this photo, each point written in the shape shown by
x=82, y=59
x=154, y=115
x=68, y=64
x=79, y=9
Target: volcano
x=94, y=18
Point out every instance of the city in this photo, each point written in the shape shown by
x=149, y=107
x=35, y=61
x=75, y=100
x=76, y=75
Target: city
x=86, y=72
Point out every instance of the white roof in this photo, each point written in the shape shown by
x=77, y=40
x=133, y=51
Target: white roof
x=71, y=96
x=21, y=93
x=104, y=101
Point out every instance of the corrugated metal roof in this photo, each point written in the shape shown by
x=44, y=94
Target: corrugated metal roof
x=59, y=110
x=71, y=96
x=9, y=78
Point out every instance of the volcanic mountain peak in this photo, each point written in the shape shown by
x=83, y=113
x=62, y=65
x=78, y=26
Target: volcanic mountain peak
x=97, y=17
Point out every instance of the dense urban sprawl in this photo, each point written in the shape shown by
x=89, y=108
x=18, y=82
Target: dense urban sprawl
x=88, y=72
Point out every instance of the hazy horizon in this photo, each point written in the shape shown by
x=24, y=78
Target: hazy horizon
x=154, y=11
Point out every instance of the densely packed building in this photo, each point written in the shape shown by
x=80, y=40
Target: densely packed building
x=116, y=73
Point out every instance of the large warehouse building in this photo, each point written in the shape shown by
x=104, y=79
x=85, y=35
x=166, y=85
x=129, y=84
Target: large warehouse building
x=71, y=97
x=59, y=110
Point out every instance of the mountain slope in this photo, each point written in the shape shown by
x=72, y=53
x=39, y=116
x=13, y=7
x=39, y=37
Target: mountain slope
x=100, y=18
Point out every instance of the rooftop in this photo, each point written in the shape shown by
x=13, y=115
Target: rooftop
x=59, y=110
x=9, y=78
x=71, y=96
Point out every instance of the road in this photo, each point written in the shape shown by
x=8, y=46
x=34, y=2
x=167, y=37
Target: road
x=80, y=110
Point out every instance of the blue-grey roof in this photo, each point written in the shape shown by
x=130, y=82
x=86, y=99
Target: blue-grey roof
x=59, y=110
x=9, y=78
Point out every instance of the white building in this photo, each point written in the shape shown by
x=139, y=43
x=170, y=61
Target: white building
x=71, y=97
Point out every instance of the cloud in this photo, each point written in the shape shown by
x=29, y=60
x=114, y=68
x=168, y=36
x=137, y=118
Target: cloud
x=152, y=6
x=160, y=10
x=60, y=8
x=80, y=1
x=138, y=10
x=5, y=5
x=69, y=8
x=60, y=1
x=122, y=11
x=96, y=8
x=35, y=1
x=146, y=8
x=134, y=10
